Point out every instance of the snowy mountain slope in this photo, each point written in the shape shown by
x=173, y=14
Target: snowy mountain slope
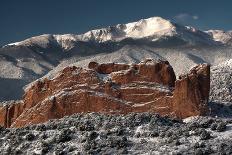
x=133, y=54
x=48, y=40
x=182, y=59
x=221, y=36
x=21, y=65
x=154, y=37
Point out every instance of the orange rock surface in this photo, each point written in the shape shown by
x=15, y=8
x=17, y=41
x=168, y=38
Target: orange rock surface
x=149, y=86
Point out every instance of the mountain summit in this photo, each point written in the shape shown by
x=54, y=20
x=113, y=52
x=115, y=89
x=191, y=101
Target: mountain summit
x=155, y=26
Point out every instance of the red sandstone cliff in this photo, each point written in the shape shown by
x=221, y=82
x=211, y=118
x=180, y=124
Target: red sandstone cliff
x=149, y=86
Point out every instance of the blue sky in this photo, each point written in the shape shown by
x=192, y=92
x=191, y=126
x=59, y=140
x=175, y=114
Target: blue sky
x=20, y=19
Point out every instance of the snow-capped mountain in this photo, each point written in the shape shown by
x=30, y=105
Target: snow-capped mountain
x=155, y=26
x=152, y=29
x=183, y=46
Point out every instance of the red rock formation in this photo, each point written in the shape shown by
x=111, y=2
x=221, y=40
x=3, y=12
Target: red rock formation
x=3, y=116
x=9, y=113
x=150, y=71
x=191, y=92
x=149, y=86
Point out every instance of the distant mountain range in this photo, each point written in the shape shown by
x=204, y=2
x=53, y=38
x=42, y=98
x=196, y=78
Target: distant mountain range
x=183, y=46
x=155, y=29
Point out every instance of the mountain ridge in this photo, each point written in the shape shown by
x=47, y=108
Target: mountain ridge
x=153, y=29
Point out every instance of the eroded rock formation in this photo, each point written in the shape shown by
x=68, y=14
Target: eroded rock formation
x=149, y=86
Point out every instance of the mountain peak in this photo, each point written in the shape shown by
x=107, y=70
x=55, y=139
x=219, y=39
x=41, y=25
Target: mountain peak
x=143, y=28
x=148, y=27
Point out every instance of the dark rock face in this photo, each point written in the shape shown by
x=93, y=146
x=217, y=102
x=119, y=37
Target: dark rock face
x=134, y=133
x=149, y=86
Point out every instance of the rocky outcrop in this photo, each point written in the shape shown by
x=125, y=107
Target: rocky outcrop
x=150, y=71
x=149, y=86
x=191, y=93
x=10, y=111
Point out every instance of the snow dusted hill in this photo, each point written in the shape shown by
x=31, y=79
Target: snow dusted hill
x=221, y=36
x=221, y=82
x=184, y=47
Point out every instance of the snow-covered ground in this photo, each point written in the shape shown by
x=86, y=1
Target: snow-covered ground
x=142, y=133
x=221, y=82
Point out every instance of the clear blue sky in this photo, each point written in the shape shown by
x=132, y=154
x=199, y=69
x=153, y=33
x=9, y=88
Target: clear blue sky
x=20, y=19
